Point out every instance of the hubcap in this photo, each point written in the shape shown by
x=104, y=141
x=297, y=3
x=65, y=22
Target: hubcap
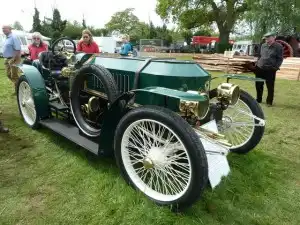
x=148, y=164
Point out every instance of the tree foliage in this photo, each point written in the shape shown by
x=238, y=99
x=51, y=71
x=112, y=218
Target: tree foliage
x=57, y=24
x=123, y=22
x=36, y=26
x=196, y=13
x=83, y=23
x=17, y=25
x=73, y=30
x=278, y=16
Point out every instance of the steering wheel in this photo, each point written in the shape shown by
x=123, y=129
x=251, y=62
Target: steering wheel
x=60, y=46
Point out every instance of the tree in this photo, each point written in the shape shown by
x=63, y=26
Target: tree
x=46, y=27
x=58, y=25
x=187, y=35
x=164, y=34
x=195, y=13
x=17, y=25
x=123, y=22
x=83, y=23
x=280, y=15
x=36, y=25
x=140, y=31
x=204, y=31
x=152, y=31
x=73, y=30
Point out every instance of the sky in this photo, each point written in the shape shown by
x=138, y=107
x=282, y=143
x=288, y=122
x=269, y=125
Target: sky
x=96, y=12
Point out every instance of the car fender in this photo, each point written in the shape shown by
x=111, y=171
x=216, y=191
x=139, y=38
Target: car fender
x=181, y=95
x=38, y=88
x=110, y=121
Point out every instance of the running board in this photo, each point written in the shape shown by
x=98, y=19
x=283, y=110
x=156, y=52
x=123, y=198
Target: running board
x=70, y=132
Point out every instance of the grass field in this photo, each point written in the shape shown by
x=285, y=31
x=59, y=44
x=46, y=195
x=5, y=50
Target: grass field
x=45, y=179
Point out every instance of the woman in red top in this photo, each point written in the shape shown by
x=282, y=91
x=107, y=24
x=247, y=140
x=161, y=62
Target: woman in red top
x=37, y=46
x=87, y=44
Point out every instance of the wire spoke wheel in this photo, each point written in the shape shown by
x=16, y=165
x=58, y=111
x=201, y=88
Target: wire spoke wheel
x=26, y=103
x=239, y=123
x=156, y=160
x=160, y=154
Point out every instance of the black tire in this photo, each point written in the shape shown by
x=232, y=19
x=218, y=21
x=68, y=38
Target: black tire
x=195, y=151
x=110, y=89
x=34, y=124
x=258, y=130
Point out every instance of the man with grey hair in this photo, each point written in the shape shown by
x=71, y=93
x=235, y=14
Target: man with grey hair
x=269, y=61
x=12, y=54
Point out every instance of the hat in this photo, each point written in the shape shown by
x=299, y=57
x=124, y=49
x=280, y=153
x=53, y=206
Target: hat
x=269, y=34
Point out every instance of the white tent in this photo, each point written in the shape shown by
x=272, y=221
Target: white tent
x=28, y=35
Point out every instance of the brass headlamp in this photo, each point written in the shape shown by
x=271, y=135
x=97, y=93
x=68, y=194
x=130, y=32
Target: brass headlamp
x=194, y=108
x=229, y=93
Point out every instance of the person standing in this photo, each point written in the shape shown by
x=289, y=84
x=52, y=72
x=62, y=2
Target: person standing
x=87, y=44
x=269, y=61
x=12, y=54
x=126, y=48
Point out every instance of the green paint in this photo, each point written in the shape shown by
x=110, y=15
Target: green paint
x=181, y=95
x=163, y=73
x=37, y=84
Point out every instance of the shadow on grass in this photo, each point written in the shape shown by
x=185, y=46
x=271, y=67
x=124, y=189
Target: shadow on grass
x=103, y=163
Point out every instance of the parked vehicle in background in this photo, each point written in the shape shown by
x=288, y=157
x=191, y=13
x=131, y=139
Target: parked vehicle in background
x=108, y=44
x=242, y=47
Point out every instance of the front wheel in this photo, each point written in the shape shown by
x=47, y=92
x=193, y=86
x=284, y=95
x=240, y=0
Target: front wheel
x=159, y=154
x=26, y=103
x=242, y=124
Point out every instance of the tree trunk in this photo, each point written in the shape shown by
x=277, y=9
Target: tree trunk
x=223, y=44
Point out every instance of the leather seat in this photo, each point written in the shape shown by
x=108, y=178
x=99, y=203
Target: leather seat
x=53, y=63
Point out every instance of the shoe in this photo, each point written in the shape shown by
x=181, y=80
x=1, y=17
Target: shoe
x=4, y=130
x=269, y=105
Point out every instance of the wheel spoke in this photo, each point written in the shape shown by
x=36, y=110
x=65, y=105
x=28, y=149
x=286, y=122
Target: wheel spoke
x=156, y=160
x=238, y=124
x=26, y=103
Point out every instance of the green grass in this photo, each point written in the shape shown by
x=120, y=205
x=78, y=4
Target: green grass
x=45, y=179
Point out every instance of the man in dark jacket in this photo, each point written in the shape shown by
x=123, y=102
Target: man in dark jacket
x=269, y=61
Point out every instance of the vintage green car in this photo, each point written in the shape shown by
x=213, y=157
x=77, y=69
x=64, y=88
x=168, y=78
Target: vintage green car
x=168, y=130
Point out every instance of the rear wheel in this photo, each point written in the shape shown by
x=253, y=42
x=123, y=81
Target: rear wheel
x=238, y=124
x=287, y=49
x=159, y=154
x=101, y=81
x=26, y=103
